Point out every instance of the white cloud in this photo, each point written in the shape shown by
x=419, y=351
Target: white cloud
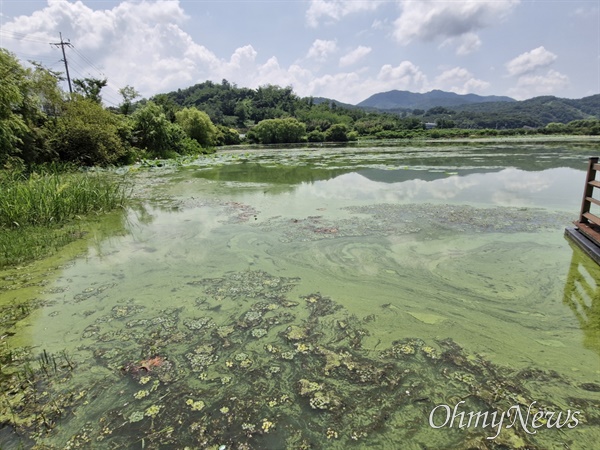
x=354, y=56
x=337, y=9
x=428, y=19
x=321, y=49
x=465, y=44
x=405, y=76
x=339, y=86
x=379, y=24
x=148, y=48
x=533, y=85
x=530, y=61
x=461, y=81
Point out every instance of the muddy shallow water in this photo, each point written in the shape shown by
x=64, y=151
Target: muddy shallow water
x=326, y=298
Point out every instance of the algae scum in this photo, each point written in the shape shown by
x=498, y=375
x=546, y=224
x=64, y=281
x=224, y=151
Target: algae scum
x=303, y=299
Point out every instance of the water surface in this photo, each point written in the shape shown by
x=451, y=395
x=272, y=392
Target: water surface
x=317, y=298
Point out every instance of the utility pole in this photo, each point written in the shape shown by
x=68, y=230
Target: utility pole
x=62, y=45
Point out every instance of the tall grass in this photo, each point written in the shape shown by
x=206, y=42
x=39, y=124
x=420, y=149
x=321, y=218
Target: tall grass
x=55, y=198
x=37, y=209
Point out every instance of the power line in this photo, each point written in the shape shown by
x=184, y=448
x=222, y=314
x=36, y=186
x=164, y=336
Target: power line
x=82, y=56
x=110, y=97
x=21, y=36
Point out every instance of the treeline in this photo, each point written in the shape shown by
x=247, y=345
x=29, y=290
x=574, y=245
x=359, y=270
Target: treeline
x=40, y=123
x=326, y=120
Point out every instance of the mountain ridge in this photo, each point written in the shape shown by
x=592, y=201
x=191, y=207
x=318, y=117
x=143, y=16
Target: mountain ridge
x=407, y=100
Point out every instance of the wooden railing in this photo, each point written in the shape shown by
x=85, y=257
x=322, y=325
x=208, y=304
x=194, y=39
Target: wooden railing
x=588, y=223
x=582, y=295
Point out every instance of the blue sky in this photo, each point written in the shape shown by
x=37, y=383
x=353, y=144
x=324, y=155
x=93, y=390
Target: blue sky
x=346, y=50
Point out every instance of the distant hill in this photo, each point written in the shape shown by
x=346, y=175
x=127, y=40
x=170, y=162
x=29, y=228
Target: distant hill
x=330, y=101
x=406, y=100
x=535, y=112
x=242, y=108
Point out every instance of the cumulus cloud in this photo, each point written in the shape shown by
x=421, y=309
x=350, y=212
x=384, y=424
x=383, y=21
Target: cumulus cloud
x=336, y=9
x=533, y=85
x=321, y=49
x=461, y=81
x=530, y=61
x=337, y=86
x=405, y=76
x=428, y=20
x=354, y=56
x=465, y=44
x=148, y=48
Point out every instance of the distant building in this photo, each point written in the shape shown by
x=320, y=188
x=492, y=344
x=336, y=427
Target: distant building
x=430, y=125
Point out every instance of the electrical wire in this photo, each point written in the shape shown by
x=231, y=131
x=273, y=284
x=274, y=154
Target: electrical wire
x=21, y=37
x=79, y=67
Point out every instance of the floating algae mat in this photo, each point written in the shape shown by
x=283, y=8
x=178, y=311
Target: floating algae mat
x=243, y=311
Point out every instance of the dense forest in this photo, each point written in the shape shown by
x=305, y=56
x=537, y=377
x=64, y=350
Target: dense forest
x=39, y=122
x=242, y=108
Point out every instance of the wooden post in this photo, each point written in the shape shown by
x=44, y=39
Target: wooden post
x=588, y=190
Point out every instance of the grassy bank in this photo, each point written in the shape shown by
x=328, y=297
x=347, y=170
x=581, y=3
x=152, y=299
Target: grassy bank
x=39, y=212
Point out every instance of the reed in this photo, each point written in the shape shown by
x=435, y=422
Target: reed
x=37, y=209
x=55, y=198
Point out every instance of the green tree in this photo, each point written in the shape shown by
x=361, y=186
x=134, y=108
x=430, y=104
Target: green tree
x=168, y=105
x=88, y=135
x=443, y=122
x=228, y=136
x=151, y=129
x=337, y=133
x=198, y=126
x=49, y=98
x=153, y=132
x=278, y=131
x=90, y=88
x=316, y=136
x=27, y=98
x=13, y=100
x=129, y=94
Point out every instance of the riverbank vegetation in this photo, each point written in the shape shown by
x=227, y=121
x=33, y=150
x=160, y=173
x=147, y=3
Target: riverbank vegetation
x=41, y=208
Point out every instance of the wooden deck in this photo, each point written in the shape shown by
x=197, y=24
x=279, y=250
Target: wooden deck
x=586, y=233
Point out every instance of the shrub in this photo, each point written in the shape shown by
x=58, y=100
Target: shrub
x=316, y=136
x=278, y=131
x=87, y=134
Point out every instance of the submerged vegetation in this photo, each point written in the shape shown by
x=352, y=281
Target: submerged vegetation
x=255, y=367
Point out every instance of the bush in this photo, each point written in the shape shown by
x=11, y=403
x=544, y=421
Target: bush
x=337, y=133
x=278, y=131
x=228, y=136
x=198, y=126
x=87, y=135
x=316, y=136
x=151, y=129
